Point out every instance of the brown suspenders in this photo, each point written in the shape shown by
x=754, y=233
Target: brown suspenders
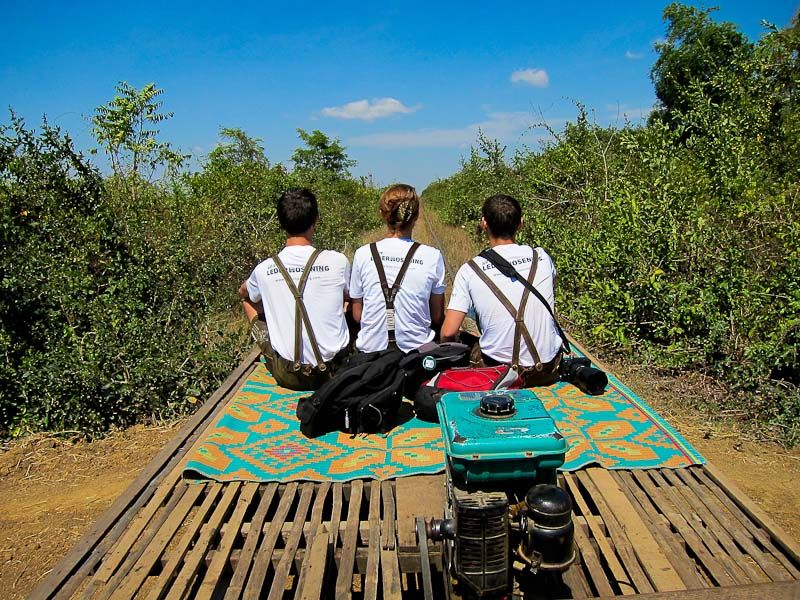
x=389, y=292
x=518, y=314
x=300, y=313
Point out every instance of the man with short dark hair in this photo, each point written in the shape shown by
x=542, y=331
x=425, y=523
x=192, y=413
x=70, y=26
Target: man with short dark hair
x=301, y=292
x=530, y=343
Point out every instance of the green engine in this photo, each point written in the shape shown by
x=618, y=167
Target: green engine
x=504, y=513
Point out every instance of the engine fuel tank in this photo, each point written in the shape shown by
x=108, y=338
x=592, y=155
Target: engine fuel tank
x=500, y=436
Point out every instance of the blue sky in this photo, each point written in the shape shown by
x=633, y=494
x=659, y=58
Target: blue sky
x=405, y=87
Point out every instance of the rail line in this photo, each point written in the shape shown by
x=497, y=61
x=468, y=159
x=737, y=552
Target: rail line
x=448, y=269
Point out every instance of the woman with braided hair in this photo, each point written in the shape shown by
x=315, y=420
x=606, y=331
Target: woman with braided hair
x=397, y=285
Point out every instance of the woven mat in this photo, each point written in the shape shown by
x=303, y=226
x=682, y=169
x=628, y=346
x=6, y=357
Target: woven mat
x=258, y=438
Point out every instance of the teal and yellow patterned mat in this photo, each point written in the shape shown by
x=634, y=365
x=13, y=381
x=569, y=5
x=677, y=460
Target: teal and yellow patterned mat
x=257, y=438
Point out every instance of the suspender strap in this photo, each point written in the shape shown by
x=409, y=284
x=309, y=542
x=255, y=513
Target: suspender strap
x=389, y=292
x=507, y=269
x=520, y=329
x=300, y=313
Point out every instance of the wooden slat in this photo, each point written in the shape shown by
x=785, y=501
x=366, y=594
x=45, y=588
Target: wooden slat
x=777, y=534
x=194, y=558
x=146, y=480
x=177, y=555
x=282, y=570
x=706, y=558
x=142, y=543
x=621, y=578
x=154, y=550
x=258, y=575
x=344, y=579
x=705, y=534
x=370, y=588
x=659, y=569
x=311, y=529
x=776, y=546
x=390, y=566
x=310, y=532
x=574, y=580
x=753, y=574
x=239, y=578
x=389, y=516
x=786, y=590
x=313, y=569
x=336, y=515
x=617, y=533
x=114, y=558
x=768, y=562
x=677, y=555
x=217, y=567
x=591, y=561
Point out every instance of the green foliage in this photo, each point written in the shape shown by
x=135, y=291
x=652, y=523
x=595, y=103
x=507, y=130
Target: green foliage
x=125, y=129
x=118, y=301
x=321, y=154
x=677, y=242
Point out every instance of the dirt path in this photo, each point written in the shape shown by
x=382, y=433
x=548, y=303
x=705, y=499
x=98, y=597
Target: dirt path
x=52, y=490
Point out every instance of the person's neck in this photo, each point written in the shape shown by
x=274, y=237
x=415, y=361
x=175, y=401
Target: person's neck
x=399, y=234
x=493, y=241
x=303, y=239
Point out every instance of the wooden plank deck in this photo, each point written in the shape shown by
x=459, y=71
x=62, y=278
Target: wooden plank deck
x=656, y=534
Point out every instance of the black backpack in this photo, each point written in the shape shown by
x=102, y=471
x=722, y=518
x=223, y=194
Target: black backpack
x=363, y=396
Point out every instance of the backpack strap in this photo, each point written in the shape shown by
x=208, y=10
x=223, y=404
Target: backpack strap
x=389, y=292
x=520, y=329
x=301, y=314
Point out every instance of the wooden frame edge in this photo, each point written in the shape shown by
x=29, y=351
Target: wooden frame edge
x=64, y=569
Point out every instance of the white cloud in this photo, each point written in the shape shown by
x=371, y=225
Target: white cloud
x=535, y=77
x=633, y=55
x=368, y=110
x=502, y=126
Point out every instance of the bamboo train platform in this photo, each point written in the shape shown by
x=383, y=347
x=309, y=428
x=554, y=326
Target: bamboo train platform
x=659, y=533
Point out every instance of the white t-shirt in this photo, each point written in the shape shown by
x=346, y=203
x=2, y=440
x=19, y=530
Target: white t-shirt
x=412, y=312
x=494, y=321
x=323, y=298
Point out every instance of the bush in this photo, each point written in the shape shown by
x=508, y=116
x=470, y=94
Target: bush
x=676, y=241
x=118, y=295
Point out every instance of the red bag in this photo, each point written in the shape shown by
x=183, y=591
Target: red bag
x=467, y=379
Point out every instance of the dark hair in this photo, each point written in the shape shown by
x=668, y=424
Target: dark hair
x=503, y=215
x=297, y=210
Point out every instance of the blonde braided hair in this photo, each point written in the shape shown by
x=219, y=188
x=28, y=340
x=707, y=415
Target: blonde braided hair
x=399, y=205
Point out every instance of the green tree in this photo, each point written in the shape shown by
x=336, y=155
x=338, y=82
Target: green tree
x=238, y=148
x=697, y=55
x=126, y=129
x=321, y=154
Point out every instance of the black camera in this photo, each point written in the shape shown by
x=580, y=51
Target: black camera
x=579, y=372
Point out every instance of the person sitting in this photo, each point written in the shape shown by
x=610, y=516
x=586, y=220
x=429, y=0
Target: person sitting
x=397, y=284
x=301, y=293
x=531, y=344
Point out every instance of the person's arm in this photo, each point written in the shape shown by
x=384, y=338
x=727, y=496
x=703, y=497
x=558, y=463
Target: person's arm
x=452, y=325
x=356, y=307
x=460, y=304
x=251, y=309
x=436, y=304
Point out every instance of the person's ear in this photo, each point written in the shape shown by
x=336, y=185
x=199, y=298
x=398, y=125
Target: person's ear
x=521, y=223
x=484, y=225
